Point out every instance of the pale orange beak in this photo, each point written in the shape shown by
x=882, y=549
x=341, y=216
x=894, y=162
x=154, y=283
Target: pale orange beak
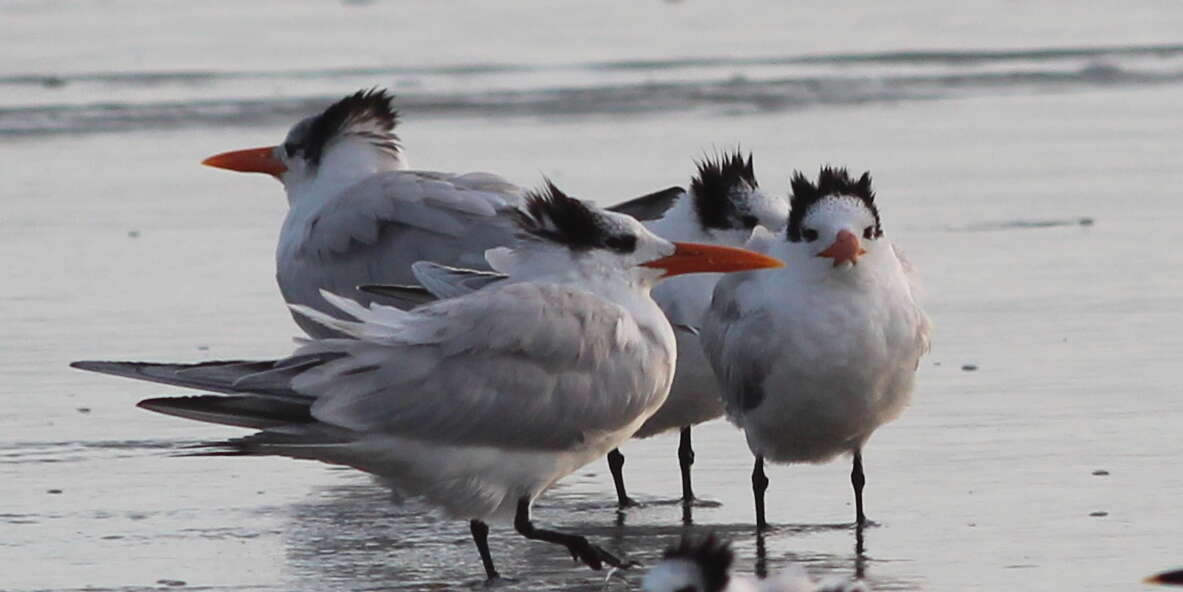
x=251, y=160
x=845, y=248
x=699, y=258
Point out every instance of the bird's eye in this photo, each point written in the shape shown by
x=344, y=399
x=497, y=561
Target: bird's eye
x=622, y=244
x=750, y=221
x=809, y=234
x=869, y=232
x=291, y=148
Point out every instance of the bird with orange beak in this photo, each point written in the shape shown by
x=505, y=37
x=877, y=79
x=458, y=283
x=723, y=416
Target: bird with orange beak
x=475, y=404
x=812, y=358
x=357, y=215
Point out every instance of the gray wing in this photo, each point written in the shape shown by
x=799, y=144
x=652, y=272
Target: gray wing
x=268, y=377
x=519, y=365
x=436, y=282
x=651, y=206
x=373, y=232
x=737, y=342
x=449, y=282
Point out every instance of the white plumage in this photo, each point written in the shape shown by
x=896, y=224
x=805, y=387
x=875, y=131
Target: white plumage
x=723, y=206
x=814, y=357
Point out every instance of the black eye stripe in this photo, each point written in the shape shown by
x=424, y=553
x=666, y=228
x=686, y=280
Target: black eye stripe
x=621, y=244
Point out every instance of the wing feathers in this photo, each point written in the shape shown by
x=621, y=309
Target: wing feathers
x=242, y=411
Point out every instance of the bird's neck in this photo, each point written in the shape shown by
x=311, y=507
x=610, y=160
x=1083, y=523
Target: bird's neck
x=348, y=163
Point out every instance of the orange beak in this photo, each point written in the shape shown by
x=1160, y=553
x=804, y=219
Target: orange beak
x=698, y=258
x=251, y=160
x=845, y=248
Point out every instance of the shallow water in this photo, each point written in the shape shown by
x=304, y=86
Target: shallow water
x=118, y=245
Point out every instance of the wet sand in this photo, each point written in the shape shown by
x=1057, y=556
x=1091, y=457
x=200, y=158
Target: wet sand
x=986, y=483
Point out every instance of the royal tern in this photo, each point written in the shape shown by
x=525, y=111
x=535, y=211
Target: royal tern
x=723, y=206
x=813, y=358
x=478, y=403
x=704, y=565
x=356, y=216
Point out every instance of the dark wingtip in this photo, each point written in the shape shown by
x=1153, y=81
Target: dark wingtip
x=155, y=404
x=651, y=206
x=395, y=290
x=105, y=367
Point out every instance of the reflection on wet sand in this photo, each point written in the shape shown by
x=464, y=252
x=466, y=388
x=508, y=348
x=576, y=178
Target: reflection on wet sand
x=351, y=536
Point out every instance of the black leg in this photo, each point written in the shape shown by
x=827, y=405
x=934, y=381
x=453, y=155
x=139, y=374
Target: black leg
x=581, y=550
x=616, y=465
x=858, y=480
x=685, y=460
x=759, y=485
x=480, y=535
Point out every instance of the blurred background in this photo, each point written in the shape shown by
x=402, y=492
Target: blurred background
x=1026, y=155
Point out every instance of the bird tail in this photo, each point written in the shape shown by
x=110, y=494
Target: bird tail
x=266, y=377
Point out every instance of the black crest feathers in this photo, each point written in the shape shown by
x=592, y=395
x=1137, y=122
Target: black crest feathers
x=712, y=555
x=718, y=176
x=553, y=215
x=830, y=181
x=375, y=106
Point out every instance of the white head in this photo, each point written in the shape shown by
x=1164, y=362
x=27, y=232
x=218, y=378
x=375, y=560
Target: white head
x=836, y=218
x=563, y=237
x=348, y=141
x=701, y=565
x=728, y=203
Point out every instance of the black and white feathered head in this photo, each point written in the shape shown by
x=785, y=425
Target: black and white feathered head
x=834, y=186
x=835, y=221
x=368, y=116
x=552, y=215
x=326, y=153
x=727, y=196
x=563, y=237
x=694, y=565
